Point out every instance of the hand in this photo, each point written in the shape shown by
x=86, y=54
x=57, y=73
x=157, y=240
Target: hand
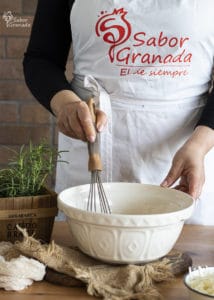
x=188, y=162
x=188, y=165
x=74, y=118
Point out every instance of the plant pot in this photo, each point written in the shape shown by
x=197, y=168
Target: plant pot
x=35, y=213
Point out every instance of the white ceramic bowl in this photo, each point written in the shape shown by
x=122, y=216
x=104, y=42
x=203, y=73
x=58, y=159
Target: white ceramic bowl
x=145, y=223
x=200, y=274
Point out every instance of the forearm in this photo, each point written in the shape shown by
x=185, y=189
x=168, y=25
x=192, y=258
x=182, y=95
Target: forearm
x=47, y=51
x=207, y=116
x=44, y=79
x=201, y=139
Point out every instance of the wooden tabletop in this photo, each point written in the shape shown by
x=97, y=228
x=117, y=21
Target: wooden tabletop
x=197, y=240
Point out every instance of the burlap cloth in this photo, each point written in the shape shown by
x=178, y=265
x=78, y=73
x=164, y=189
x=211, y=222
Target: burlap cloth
x=111, y=282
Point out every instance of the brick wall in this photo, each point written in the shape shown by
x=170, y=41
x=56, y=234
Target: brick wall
x=22, y=118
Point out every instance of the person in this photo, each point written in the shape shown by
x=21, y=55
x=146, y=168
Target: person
x=148, y=65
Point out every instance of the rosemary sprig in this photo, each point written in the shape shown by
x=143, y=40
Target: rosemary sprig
x=28, y=170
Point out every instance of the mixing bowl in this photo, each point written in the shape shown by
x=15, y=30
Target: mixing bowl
x=145, y=223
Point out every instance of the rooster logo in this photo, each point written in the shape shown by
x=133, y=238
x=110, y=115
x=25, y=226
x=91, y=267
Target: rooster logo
x=114, y=29
x=8, y=17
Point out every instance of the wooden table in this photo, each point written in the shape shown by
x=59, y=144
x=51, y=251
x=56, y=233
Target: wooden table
x=197, y=240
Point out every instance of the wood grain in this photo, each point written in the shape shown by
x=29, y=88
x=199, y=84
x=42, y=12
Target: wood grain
x=197, y=241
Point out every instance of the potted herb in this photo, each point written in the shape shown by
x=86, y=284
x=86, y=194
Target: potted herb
x=24, y=196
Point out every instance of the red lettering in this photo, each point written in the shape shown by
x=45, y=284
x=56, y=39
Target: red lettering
x=130, y=71
x=127, y=56
x=145, y=58
x=173, y=42
x=182, y=41
x=151, y=42
x=122, y=56
x=172, y=74
x=178, y=58
x=162, y=40
x=140, y=72
x=168, y=59
x=188, y=58
x=135, y=56
x=156, y=58
x=138, y=38
x=123, y=72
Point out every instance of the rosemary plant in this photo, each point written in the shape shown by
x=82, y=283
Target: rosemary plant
x=28, y=171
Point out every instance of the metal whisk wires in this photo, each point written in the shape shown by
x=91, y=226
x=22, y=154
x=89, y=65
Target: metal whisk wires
x=97, y=197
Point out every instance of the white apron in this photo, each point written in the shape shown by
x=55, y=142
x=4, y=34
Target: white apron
x=149, y=66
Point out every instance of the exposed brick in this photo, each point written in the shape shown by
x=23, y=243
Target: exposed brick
x=2, y=47
x=36, y=134
x=29, y=6
x=16, y=47
x=34, y=113
x=15, y=6
x=16, y=30
x=8, y=112
x=14, y=90
x=18, y=135
x=22, y=118
x=11, y=69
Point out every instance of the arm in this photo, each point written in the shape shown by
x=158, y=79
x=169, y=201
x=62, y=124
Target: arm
x=47, y=52
x=44, y=68
x=188, y=162
x=207, y=116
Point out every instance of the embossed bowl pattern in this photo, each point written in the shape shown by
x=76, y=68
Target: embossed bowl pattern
x=145, y=223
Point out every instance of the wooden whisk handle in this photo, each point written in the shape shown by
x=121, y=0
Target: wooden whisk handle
x=94, y=162
x=91, y=106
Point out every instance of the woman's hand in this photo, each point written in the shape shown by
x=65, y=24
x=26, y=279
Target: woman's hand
x=74, y=118
x=188, y=167
x=188, y=163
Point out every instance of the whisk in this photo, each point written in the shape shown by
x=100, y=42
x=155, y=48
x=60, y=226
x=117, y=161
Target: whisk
x=96, y=192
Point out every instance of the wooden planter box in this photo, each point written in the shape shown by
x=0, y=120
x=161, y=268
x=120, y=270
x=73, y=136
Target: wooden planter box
x=35, y=213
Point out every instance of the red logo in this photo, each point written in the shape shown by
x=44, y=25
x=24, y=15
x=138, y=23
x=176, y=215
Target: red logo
x=114, y=29
x=136, y=53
